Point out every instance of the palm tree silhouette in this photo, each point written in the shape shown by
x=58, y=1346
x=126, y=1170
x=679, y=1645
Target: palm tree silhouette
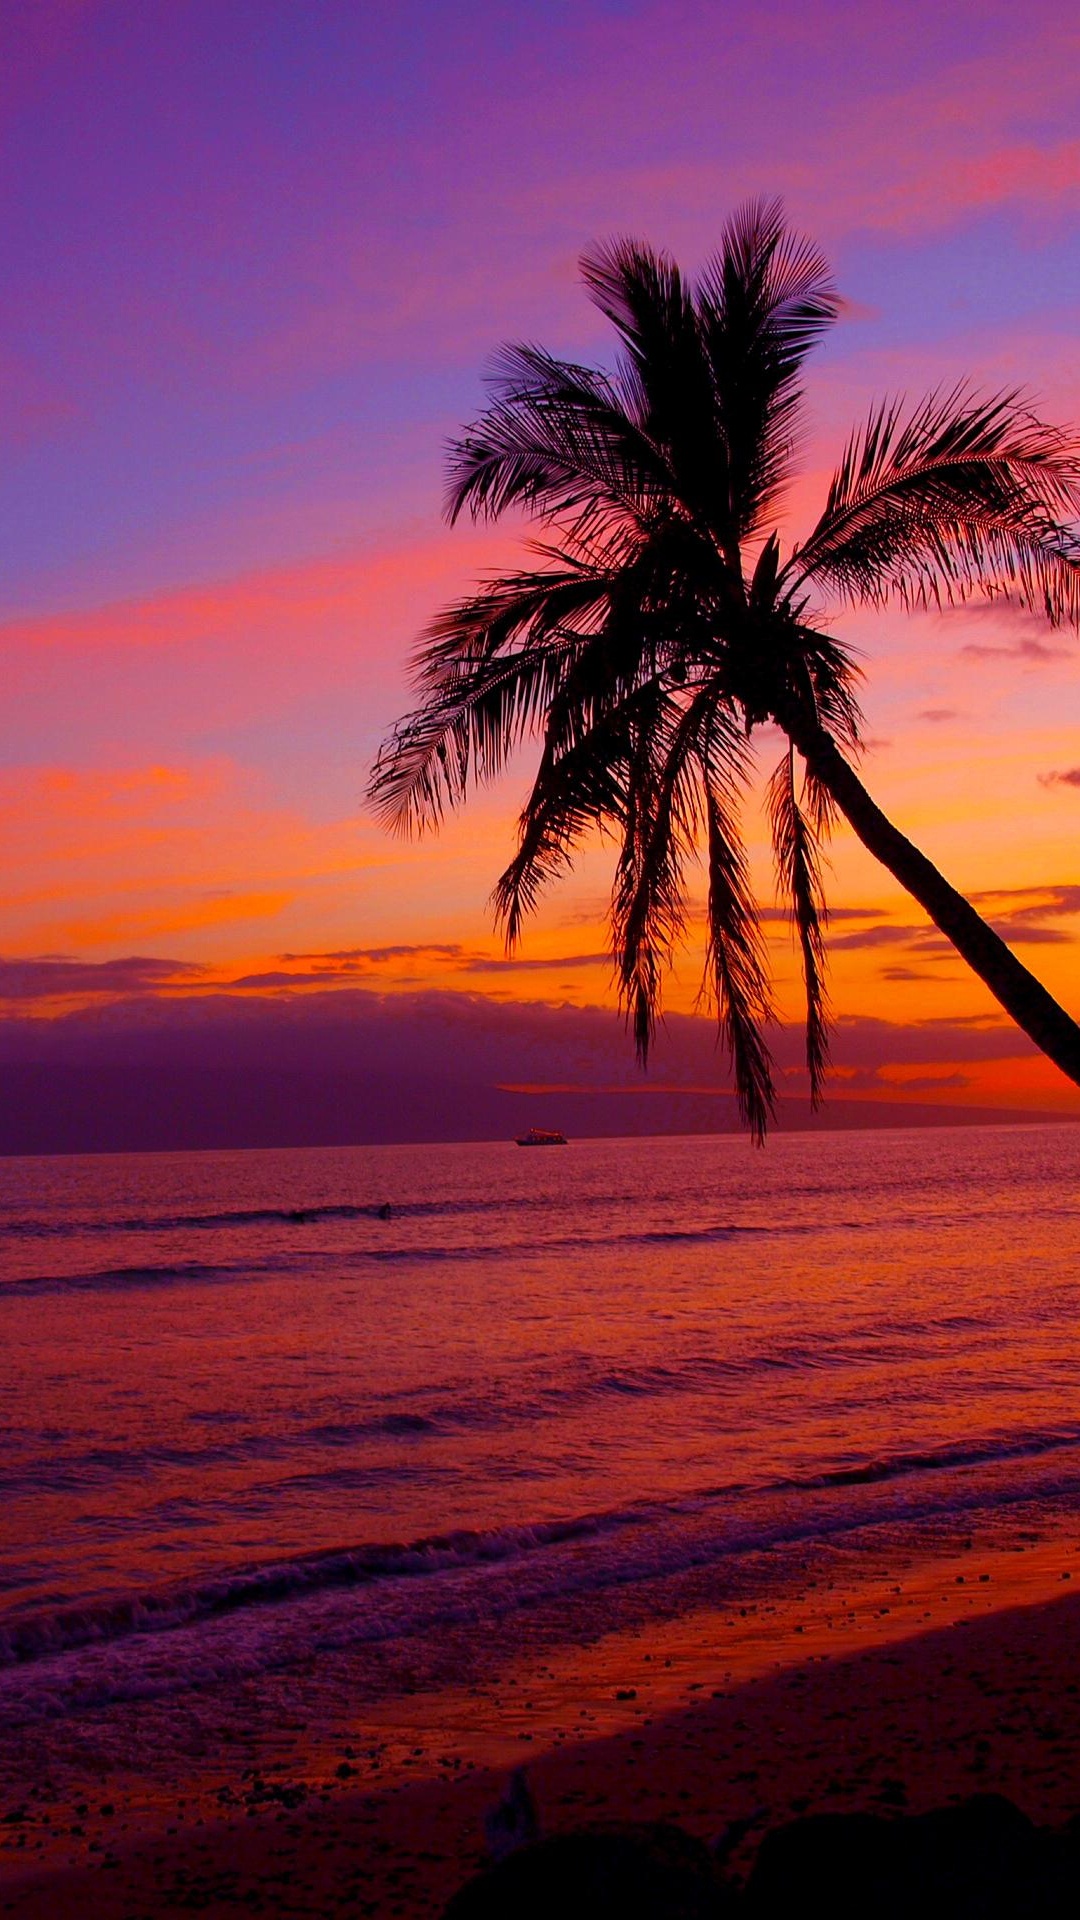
x=661, y=622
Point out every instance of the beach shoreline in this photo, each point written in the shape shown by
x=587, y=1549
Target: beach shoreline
x=965, y=1683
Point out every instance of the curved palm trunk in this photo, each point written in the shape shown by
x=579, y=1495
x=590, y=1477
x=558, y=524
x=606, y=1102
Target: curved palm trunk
x=1017, y=990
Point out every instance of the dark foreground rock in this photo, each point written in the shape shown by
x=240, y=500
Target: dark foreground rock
x=641, y=1872
x=980, y=1860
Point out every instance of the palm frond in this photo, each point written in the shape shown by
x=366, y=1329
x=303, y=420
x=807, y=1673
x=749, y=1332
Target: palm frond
x=648, y=902
x=964, y=493
x=797, y=849
x=763, y=301
x=538, y=602
x=664, y=377
x=575, y=792
x=488, y=670
x=736, y=966
x=660, y=836
x=556, y=440
x=643, y=294
x=831, y=674
x=465, y=735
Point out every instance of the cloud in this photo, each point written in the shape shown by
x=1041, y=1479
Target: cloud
x=955, y=162
x=349, y=961
x=999, y=613
x=1067, y=777
x=1024, y=933
x=933, y=1082
x=769, y=914
x=696, y=909
x=195, y=910
x=122, y=858
x=482, y=964
x=441, y=950
x=1034, y=652
x=979, y=1022
x=317, y=650
x=1014, y=173
x=938, y=715
x=902, y=974
x=880, y=936
x=862, y=1040
x=333, y=598
x=649, y=1089
x=886, y=1080
x=54, y=976
x=596, y=908
x=1023, y=924
x=1053, y=897
x=259, y=982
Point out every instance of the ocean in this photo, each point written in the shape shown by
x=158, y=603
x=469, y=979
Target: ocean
x=297, y=1437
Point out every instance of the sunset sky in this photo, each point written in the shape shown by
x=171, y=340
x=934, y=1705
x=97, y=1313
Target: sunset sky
x=256, y=256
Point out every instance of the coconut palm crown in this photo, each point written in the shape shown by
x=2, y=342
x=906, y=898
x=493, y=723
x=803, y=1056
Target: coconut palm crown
x=661, y=621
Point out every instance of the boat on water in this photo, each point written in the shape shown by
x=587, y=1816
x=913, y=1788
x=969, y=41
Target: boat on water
x=542, y=1137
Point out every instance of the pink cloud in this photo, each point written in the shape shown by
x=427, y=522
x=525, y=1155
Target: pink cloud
x=318, y=649
x=1032, y=652
x=967, y=149
x=342, y=598
x=1020, y=175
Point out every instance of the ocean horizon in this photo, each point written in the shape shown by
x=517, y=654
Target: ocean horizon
x=102, y=1112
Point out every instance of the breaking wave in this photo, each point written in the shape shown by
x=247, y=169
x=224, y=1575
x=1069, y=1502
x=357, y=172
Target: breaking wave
x=746, y=1518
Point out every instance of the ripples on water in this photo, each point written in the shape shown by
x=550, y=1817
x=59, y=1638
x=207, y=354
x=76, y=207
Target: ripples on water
x=244, y=1414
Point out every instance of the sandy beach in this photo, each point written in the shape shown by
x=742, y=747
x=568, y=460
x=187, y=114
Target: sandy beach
x=894, y=1714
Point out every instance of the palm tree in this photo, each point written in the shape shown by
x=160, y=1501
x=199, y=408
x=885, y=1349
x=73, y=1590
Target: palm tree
x=661, y=622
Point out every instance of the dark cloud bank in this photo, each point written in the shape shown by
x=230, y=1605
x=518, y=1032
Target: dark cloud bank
x=353, y=1065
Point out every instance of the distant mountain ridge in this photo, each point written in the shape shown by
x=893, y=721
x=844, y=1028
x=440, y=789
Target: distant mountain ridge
x=356, y=1067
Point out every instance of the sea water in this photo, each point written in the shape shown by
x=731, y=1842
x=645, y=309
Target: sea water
x=367, y=1414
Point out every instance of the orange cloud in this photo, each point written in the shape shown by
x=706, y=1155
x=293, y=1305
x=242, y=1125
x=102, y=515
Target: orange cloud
x=97, y=859
x=118, y=928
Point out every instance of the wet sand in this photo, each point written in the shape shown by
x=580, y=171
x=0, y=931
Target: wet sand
x=869, y=1709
